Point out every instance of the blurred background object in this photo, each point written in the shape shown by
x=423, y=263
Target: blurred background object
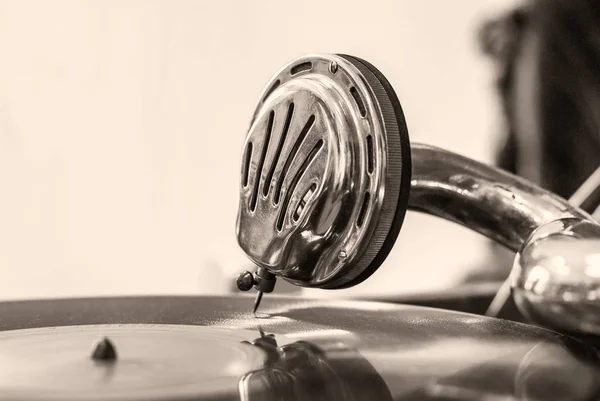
x=546, y=54
x=122, y=124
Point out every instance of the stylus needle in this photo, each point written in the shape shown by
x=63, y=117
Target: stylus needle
x=257, y=301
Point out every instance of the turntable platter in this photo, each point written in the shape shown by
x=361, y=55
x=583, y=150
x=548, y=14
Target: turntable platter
x=195, y=348
x=153, y=360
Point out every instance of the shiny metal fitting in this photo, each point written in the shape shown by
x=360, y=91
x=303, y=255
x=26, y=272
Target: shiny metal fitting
x=556, y=276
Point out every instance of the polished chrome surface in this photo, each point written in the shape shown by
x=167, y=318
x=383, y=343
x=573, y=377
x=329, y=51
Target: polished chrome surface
x=492, y=202
x=556, y=276
x=317, y=182
x=297, y=349
x=587, y=198
x=558, y=245
x=509, y=209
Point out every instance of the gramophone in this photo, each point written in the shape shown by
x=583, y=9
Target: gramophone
x=327, y=175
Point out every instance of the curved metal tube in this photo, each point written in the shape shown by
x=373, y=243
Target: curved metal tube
x=555, y=279
x=490, y=201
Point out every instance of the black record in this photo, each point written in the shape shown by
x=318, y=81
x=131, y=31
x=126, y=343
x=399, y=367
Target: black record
x=196, y=348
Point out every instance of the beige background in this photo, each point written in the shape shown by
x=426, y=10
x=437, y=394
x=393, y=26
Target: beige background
x=121, y=124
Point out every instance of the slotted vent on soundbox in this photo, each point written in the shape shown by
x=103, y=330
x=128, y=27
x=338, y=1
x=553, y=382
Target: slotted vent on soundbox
x=289, y=155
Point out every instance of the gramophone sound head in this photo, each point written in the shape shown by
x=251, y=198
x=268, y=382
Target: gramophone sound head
x=325, y=175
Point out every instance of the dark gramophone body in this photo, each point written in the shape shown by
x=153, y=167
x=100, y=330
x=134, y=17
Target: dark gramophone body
x=328, y=174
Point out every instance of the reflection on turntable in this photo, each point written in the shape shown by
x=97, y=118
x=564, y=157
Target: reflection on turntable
x=195, y=348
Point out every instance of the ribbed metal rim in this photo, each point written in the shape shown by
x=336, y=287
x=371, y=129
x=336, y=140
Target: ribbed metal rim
x=398, y=176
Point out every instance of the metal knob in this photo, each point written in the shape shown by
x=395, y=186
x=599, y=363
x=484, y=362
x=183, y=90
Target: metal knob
x=245, y=281
x=262, y=280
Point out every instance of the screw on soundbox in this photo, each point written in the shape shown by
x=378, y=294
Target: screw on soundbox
x=333, y=67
